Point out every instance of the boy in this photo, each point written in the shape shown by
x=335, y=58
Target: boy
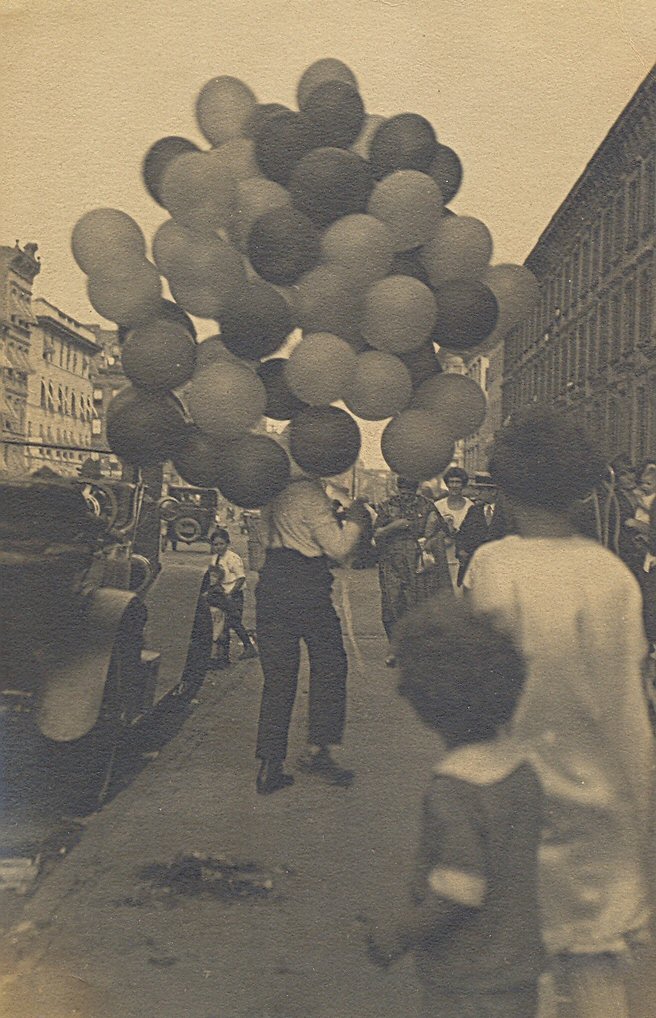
x=473, y=925
x=225, y=596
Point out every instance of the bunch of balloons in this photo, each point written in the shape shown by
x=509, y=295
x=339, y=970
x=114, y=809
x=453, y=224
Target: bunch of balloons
x=323, y=219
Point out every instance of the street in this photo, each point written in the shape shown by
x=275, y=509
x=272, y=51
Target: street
x=189, y=895
x=329, y=856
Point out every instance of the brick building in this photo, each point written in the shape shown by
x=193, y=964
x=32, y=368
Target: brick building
x=18, y=269
x=590, y=346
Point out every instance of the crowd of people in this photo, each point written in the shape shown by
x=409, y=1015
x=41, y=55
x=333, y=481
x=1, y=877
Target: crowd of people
x=521, y=641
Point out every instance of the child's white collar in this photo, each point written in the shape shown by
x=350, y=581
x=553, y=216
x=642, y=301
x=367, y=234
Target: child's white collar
x=483, y=763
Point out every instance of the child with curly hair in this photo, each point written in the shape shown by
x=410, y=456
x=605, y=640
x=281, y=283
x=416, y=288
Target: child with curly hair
x=473, y=925
x=575, y=611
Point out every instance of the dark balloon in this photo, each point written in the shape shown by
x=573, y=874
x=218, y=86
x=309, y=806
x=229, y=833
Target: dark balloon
x=145, y=428
x=169, y=311
x=421, y=363
x=254, y=469
x=262, y=113
x=446, y=171
x=337, y=112
x=467, y=312
x=324, y=440
x=283, y=245
x=329, y=183
x=404, y=142
x=406, y=263
x=257, y=323
x=198, y=460
x=281, y=403
x=281, y=142
x=157, y=160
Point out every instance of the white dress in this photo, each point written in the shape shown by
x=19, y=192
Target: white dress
x=575, y=611
x=456, y=516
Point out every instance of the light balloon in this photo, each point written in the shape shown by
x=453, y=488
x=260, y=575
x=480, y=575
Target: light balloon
x=225, y=399
x=360, y=245
x=398, y=314
x=417, y=445
x=199, y=191
x=104, y=239
x=457, y=401
x=410, y=205
x=158, y=157
x=319, y=368
x=380, y=386
x=128, y=297
x=327, y=300
x=255, y=197
x=461, y=248
x=223, y=108
x=517, y=292
x=404, y=142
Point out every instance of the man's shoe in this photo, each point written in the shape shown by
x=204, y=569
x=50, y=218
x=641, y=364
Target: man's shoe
x=323, y=766
x=247, y=654
x=271, y=778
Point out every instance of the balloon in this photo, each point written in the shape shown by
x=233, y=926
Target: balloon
x=446, y=171
x=380, y=386
x=320, y=72
x=204, y=272
x=197, y=462
x=517, y=292
x=167, y=311
x=256, y=323
x=158, y=158
x=223, y=108
x=422, y=363
x=416, y=444
x=103, y=239
x=281, y=403
x=399, y=314
x=467, y=312
x=211, y=350
x=407, y=263
x=455, y=400
x=361, y=246
x=362, y=143
x=145, y=428
x=253, y=470
x=328, y=183
x=404, y=142
x=319, y=368
x=260, y=115
x=461, y=248
x=328, y=301
x=199, y=191
x=337, y=112
x=158, y=355
x=410, y=205
x=238, y=158
x=128, y=298
x=283, y=245
x=324, y=441
x=255, y=197
x=225, y=399
x=281, y=142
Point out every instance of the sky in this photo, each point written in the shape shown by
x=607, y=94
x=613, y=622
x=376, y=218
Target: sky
x=523, y=90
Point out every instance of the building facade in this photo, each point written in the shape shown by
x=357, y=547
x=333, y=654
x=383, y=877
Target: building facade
x=60, y=394
x=590, y=345
x=107, y=380
x=18, y=269
x=487, y=371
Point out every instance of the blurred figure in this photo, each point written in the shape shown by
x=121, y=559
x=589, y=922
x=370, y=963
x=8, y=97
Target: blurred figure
x=487, y=520
x=224, y=592
x=453, y=509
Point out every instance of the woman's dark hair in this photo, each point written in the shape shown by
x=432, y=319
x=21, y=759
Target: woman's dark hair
x=222, y=533
x=456, y=472
x=543, y=459
x=461, y=674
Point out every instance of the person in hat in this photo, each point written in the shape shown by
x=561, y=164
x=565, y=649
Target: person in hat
x=407, y=529
x=488, y=519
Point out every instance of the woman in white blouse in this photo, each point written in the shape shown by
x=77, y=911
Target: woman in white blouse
x=453, y=509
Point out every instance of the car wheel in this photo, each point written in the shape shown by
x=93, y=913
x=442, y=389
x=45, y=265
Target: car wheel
x=187, y=529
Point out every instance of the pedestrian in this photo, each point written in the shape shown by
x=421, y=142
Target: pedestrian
x=473, y=925
x=453, y=509
x=411, y=565
x=224, y=591
x=576, y=611
x=486, y=520
x=293, y=604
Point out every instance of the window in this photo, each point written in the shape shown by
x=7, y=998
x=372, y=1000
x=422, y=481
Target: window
x=633, y=213
x=574, y=278
x=73, y=405
x=43, y=401
x=602, y=346
x=608, y=224
x=567, y=280
x=595, y=252
x=572, y=359
x=564, y=363
x=640, y=425
x=60, y=400
x=613, y=428
x=592, y=345
x=615, y=325
x=75, y=362
x=646, y=301
x=629, y=315
x=649, y=195
x=585, y=263
x=95, y=427
x=618, y=239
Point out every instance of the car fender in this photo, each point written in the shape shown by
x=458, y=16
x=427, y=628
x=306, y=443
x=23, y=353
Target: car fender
x=73, y=691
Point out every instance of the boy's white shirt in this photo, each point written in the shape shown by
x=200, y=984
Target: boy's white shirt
x=233, y=568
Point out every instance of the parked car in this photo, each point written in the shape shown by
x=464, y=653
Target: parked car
x=188, y=514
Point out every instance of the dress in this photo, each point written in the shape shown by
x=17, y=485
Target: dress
x=575, y=611
x=402, y=586
x=455, y=517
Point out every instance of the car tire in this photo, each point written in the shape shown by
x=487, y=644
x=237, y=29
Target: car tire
x=187, y=529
